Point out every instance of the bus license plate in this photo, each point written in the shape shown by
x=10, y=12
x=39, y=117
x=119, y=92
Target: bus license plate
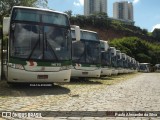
x=85, y=73
x=42, y=77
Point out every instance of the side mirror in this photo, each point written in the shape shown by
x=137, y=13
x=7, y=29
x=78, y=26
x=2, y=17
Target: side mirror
x=120, y=55
x=77, y=32
x=104, y=45
x=113, y=51
x=6, y=21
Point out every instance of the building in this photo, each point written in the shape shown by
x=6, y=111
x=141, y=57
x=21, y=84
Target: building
x=123, y=10
x=94, y=6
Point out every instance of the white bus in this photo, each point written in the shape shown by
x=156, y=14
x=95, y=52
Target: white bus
x=106, y=69
x=157, y=67
x=125, y=63
x=119, y=62
x=130, y=68
x=86, y=57
x=39, y=46
x=144, y=67
x=113, y=60
x=134, y=65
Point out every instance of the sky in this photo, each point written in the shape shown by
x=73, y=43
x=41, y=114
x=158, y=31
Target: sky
x=146, y=12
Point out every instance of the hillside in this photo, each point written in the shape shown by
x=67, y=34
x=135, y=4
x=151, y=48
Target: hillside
x=132, y=40
x=110, y=29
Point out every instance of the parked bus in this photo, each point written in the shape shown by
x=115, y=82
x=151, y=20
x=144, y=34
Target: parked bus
x=106, y=69
x=119, y=62
x=86, y=56
x=135, y=65
x=144, y=67
x=129, y=64
x=114, y=65
x=157, y=67
x=39, y=46
x=125, y=63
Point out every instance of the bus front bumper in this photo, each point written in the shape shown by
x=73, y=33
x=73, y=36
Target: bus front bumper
x=106, y=71
x=75, y=73
x=16, y=75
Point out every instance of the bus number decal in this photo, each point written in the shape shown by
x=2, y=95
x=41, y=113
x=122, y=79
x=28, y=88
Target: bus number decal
x=56, y=64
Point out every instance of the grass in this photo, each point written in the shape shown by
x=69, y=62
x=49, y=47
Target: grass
x=116, y=79
x=77, y=87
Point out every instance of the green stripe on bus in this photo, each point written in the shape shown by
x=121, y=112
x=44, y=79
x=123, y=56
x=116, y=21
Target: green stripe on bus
x=87, y=65
x=41, y=63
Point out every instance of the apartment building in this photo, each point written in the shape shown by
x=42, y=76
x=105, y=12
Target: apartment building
x=123, y=10
x=94, y=6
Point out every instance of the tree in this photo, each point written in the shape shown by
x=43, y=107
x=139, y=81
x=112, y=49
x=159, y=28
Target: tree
x=144, y=31
x=156, y=34
x=139, y=49
x=6, y=5
x=100, y=14
x=143, y=58
x=69, y=12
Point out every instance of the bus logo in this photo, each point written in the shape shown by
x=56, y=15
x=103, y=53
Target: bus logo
x=31, y=63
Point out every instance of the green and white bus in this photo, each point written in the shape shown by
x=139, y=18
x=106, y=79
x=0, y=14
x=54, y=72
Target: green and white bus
x=114, y=64
x=119, y=62
x=157, y=66
x=86, y=56
x=39, y=46
x=129, y=61
x=144, y=67
x=106, y=69
x=125, y=63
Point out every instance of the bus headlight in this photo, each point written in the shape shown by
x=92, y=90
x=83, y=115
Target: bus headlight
x=16, y=66
x=65, y=67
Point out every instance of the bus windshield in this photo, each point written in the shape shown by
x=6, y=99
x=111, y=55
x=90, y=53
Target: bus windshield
x=89, y=36
x=42, y=41
x=113, y=59
x=40, y=16
x=105, y=58
x=73, y=34
x=120, y=63
x=86, y=52
x=142, y=67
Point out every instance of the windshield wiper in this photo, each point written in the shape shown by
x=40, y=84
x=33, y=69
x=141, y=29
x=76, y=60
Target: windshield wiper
x=53, y=52
x=38, y=41
x=90, y=58
x=81, y=56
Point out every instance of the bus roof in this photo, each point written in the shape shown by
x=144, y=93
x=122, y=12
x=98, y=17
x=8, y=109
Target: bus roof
x=123, y=53
x=144, y=63
x=103, y=41
x=84, y=30
x=88, y=31
x=40, y=9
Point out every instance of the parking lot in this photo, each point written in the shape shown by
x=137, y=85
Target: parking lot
x=133, y=92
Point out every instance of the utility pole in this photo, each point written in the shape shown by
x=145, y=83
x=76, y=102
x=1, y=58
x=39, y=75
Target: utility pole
x=1, y=38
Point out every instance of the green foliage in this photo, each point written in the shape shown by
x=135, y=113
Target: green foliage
x=143, y=57
x=149, y=34
x=144, y=31
x=139, y=49
x=69, y=12
x=101, y=21
x=156, y=34
x=98, y=21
